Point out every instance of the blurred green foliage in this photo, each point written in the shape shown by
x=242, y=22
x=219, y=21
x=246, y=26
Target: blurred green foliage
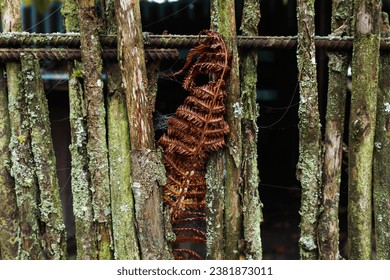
x=41, y=5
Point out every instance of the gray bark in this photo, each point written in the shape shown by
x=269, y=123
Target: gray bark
x=328, y=227
x=365, y=69
x=309, y=165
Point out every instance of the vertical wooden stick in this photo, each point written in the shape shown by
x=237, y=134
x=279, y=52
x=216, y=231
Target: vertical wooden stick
x=86, y=238
x=365, y=69
x=50, y=208
x=328, y=227
x=381, y=171
x=252, y=214
x=20, y=146
x=91, y=55
x=223, y=21
x=309, y=165
x=9, y=216
x=147, y=168
x=122, y=202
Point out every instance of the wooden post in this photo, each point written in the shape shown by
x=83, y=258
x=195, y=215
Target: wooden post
x=146, y=165
x=122, y=202
x=91, y=56
x=309, y=165
x=252, y=215
x=381, y=171
x=223, y=21
x=365, y=68
x=328, y=227
x=9, y=216
x=86, y=238
x=50, y=209
x=26, y=188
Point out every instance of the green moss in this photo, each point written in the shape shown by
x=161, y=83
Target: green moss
x=122, y=203
x=82, y=205
x=9, y=218
x=365, y=63
x=70, y=11
x=215, y=245
x=381, y=171
x=77, y=73
x=309, y=164
x=44, y=160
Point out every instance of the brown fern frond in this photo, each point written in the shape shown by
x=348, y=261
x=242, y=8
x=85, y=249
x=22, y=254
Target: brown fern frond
x=197, y=129
x=186, y=254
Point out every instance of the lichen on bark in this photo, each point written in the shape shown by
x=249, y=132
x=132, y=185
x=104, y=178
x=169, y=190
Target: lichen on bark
x=91, y=56
x=215, y=243
x=145, y=195
x=381, y=170
x=9, y=216
x=146, y=190
x=328, y=227
x=53, y=238
x=309, y=165
x=223, y=21
x=122, y=202
x=86, y=237
x=365, y=68
x=22, y=162
x=252, y=215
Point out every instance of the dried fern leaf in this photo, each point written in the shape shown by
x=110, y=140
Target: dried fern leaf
x=197, y=129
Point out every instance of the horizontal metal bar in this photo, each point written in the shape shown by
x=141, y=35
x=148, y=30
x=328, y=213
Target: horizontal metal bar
x=72, y=40
x=69, y=54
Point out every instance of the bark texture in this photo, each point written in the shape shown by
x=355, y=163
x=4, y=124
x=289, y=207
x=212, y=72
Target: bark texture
x=26, y=188
x=53, y=237
x=328, y=227
x=365, y=68
x=223, y=21
x=86, y=238
x=122, y=202
x=309, y=165
x=9, y=216
x=215, y=240
x=381, y=171
x=252, y=215
x=146, y=164
x=91, y=54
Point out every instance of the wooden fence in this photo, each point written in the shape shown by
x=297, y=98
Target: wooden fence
x=117, y=172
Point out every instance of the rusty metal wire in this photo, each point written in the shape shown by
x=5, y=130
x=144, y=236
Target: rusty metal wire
x=259, y=42
x=66, y=44
x=70, y=40
x=69, y=54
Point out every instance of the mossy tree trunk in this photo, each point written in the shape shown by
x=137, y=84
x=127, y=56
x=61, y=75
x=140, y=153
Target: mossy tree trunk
x=328, y=227
x=215, y=185
x=223, y=21
x=33, y=164
x=381, y=171
x=9, y=216
x=122, y=202
x=252, y=215
x=26, y=188
x=91, y=55
x=309, y=165
x=53, y=237
x=146, y=165
x=86, y=238
x=365, y=66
